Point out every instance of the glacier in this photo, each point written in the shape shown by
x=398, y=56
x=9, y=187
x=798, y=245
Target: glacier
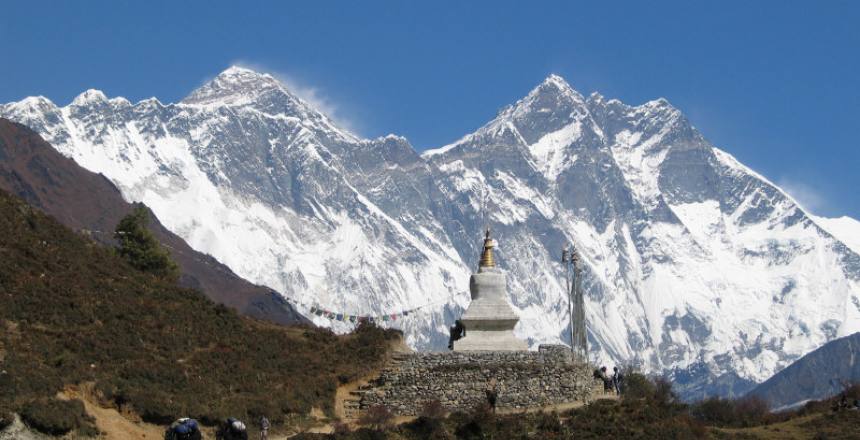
x=695, y=266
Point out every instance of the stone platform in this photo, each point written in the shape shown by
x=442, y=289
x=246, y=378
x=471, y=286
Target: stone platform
x=459, y=380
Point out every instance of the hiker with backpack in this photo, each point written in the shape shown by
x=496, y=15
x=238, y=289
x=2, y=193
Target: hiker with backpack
x=607, y=381
x=232, y=429
x=183, y=429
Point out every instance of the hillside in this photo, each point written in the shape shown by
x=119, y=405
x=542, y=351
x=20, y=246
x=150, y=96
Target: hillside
x=84, y=201
x=73, y=312
x=822, y=373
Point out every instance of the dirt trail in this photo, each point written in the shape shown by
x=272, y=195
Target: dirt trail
x=344, y=392
x=549, y=408
x=110, y=421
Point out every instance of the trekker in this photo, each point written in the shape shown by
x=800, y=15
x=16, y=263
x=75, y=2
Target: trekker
x=617, y=380
x=183, y=429
x=598, y=374
x=492, y=394
x=457, y=332
x=607, y=381
x=264, y=428
x=232, y=429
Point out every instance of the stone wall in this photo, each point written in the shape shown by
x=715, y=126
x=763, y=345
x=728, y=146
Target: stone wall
x=459, y=380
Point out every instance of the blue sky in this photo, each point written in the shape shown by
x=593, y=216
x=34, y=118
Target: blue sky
x=776, y=83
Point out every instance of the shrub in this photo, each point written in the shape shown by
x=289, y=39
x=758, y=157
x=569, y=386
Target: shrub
x=638, y=386
x=432, y=410
x=663, y=393
x=752, y=411
x=476, y=424
x=340, y=429
x=140, y=248
x=429, y=421
x=56, y=417
x=6, y=418
x=548, y=422
x=740, y=413
x=377, y=416
x=714, y=411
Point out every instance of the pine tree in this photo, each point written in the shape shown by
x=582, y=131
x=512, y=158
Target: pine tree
x=139, y=246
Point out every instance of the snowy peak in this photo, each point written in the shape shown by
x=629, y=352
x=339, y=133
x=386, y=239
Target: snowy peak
x=557, y=84
x=89, y=97
x=35, y=105
x=236, y=85
x=240, y=87
x=553, y=96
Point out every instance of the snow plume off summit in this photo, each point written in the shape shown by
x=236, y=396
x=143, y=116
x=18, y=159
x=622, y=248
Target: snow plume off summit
x=694, y=264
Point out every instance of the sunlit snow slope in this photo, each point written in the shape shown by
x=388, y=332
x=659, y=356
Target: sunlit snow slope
x=696, y=265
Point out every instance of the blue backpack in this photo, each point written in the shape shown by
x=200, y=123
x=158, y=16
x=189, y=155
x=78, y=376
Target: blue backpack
x=192, y=424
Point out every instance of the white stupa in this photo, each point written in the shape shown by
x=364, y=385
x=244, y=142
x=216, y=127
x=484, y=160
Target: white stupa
x=489, y=320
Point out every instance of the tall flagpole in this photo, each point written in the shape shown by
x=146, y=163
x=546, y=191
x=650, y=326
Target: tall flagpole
x=566, y=260
x=579, y=330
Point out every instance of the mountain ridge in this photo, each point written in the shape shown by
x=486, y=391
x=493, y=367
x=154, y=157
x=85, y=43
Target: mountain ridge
x=675, y=234
x=822, y=373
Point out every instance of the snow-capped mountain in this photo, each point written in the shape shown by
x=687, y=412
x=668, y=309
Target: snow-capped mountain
x=695, y=265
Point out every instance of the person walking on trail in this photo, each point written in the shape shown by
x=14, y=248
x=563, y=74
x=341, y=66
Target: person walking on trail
x=607, y=381
x=264, y=428
x=183, y=429
x=232, y=429
x=492, y=393
x=618, y=380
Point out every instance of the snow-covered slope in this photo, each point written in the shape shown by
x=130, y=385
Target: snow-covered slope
x=843, y=228
x=696, y=265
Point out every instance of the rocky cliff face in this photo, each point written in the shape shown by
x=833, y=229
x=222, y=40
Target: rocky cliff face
x=695, y=265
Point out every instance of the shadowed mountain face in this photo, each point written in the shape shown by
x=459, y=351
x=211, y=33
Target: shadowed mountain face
x=84, y=201
x=824, y=372
x=694, y=265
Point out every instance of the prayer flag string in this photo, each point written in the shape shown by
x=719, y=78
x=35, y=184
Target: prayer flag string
x=353, y=319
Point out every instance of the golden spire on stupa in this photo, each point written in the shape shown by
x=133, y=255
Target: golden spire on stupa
x=487, y=259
